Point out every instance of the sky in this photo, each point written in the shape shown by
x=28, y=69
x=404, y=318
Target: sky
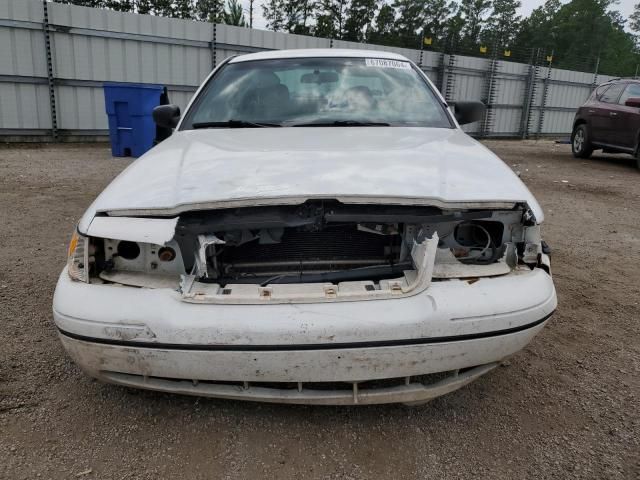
x=624, y=6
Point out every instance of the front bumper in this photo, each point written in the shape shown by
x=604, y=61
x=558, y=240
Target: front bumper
x=295, y=353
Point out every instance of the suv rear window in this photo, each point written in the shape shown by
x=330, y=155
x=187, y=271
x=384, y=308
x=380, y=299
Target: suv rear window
x=632, y=91
x=612, y=94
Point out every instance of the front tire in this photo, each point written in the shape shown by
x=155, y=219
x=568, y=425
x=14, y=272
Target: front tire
x=581, y=142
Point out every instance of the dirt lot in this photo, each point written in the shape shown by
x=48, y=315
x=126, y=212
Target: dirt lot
x=567, y=406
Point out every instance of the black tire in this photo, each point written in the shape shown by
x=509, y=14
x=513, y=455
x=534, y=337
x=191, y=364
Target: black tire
x=581, y=142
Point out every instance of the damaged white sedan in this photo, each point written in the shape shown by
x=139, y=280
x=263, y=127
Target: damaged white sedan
x=318, y=229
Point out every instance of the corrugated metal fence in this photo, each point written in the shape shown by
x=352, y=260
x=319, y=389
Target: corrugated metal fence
x=54, y=59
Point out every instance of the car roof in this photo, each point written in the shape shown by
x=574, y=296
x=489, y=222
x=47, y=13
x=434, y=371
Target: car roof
x=318, y=53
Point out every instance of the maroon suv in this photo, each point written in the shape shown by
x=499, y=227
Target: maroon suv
x=609, y=120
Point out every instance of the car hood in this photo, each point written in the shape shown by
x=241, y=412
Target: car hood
x=218, y=168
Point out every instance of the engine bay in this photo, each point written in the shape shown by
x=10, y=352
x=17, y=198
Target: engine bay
x=322, y=243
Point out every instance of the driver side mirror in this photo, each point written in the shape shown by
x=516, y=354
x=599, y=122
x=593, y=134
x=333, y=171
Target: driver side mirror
x=633, y=102
x=166, y=116
x=468, y=112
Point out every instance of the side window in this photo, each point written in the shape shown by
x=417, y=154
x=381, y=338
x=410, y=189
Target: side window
x=600, y=90
x=632, y=91
x=612, y=93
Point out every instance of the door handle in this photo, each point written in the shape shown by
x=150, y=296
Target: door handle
x=592, y=111
x=613, y=114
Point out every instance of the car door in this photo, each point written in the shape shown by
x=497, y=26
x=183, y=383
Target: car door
x=604, y=112
x=627, y=120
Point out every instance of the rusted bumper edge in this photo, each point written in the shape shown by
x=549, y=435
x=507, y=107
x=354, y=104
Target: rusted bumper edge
x=410, y=393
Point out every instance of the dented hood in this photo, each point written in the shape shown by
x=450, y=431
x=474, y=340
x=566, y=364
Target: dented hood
x=217, y=168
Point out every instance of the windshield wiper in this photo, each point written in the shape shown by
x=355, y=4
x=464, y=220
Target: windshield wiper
x=343, y=123
x=234, y=124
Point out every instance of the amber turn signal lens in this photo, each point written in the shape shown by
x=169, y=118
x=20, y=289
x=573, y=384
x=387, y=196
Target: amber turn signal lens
x=72, y=244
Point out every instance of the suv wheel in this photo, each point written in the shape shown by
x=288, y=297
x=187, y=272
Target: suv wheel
x=580, y=142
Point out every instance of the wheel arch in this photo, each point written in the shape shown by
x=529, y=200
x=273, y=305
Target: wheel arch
x=577, y=122
x=636, y=150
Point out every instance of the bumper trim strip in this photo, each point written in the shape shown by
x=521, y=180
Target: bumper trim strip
x=414, y=393
x=311, y=346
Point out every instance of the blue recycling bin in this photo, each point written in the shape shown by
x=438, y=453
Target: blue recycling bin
x=131, y=127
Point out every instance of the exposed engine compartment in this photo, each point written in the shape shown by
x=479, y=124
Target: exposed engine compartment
x=329, y=241
x=326, y=243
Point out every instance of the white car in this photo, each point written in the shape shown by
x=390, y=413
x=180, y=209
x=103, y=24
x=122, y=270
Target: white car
x=317, y=229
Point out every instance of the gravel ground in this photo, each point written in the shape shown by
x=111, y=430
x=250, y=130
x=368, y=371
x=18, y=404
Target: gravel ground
x=565, y=407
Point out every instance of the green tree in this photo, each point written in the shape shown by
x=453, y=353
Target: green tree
x=288, y=15
x=83, y=3
x=297, y=13
x=183, y=9
x=504, y=23
x=144, y=6
x=385, y=20
x=233, y=14
x=453, y=30
x=209, y=11
x=330, y=18
x=580, y=32
x=437, y=17
x=360, y=15
x=536, y=31
x=410, y=18
x=273, y=13
x=251, y=2
x=473, y=12
x=634, y=19
x=121, y=5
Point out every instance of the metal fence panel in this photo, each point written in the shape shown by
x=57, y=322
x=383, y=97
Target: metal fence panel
x=95, y=45
x=24, y=106
x=91, y=46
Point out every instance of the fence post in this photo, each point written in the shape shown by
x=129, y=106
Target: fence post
x=529, y=94
x=595, y=73
x=445, y=73
x=490, y=93
x=214, y=42
x=543, y=103
x=50, y=78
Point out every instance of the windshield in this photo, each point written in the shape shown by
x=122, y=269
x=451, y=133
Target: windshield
x=317, y=92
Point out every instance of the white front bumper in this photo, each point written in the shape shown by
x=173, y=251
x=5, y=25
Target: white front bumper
x=150, y=338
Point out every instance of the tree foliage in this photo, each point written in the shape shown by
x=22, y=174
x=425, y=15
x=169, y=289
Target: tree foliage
x=634, y=19
x=436, y=19
x=358, y=24
x=233, y=14
x=290, y=16
x=503, y=24
x=580, y=32
x=331, y=16
x=474, y=16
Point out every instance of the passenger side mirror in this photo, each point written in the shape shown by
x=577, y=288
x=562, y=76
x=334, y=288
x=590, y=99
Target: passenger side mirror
x=166, y=116
x=633, y=102
x=468, y=112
